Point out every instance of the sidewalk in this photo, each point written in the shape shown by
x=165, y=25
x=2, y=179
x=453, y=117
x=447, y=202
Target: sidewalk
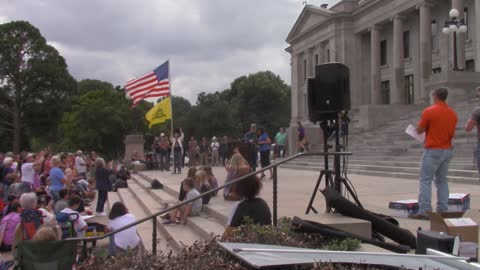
x=295, y=188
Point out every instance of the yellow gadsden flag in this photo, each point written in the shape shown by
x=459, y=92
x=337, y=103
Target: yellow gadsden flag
x=160, y=113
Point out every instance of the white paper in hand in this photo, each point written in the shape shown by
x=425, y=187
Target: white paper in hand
x=413, y=133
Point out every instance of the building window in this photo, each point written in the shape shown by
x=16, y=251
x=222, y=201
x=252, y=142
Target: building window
x=328, y=56
x=383, y=52
x=316, y=60
x=406, y=44
x=409, y=89
x=434, y=35
x=470, y=65
x=437, y=70
x=465, y=16
x=304, y=69
x=385, y=92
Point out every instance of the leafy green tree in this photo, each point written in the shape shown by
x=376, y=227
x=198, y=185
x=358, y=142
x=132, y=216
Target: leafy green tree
x=87, y=85
x=34, y=84
x=100, y=120
x=262, y=98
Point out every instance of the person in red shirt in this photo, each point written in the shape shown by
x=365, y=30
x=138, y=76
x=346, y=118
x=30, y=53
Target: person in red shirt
x=438, y=122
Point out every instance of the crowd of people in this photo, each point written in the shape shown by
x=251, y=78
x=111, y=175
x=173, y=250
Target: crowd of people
x=54, y=191
x=208, y=152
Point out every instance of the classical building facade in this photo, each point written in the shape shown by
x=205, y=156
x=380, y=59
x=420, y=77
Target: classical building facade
x=395, y=49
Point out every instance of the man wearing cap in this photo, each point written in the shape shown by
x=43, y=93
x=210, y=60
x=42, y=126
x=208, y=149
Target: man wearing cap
x=438, y=122
x=215, y=146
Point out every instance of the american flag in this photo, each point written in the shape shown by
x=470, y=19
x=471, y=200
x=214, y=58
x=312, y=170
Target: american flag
x=153, y=84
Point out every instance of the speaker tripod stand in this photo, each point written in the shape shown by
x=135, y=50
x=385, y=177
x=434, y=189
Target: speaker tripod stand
x=332, y=178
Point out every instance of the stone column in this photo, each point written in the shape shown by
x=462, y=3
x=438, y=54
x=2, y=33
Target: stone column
x=310, y=63
x=460, y=5
x=133, y=144
x=375, y=96
x=295, y=87
x=398, y=93
x=321, y=53
x=426, y=40
x=476, y=29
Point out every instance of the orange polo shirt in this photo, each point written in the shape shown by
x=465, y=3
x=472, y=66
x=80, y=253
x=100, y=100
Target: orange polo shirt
x=439, y=122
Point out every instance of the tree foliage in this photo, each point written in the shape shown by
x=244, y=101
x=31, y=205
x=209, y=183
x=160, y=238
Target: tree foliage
x=100, y=120
x=35, y=85
x=261, y=98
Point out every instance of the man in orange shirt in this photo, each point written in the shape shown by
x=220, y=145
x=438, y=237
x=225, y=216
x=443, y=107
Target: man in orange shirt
x=438, y=122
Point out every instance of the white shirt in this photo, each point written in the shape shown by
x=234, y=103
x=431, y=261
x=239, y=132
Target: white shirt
x=126, y=239
x=28, y=173
x=80, y=165
x=215, y=146
x=78, y=224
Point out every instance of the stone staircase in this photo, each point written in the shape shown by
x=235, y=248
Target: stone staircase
x=388, y=151
x=143, y=201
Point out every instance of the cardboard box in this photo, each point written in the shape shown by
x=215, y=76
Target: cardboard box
x=458, y=202
x=457, y=223
x=403, y=208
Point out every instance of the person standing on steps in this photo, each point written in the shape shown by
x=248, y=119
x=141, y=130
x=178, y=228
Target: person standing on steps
x=438, y=122
x=475, y=122
x=177, y=147
x=251, y=137
x=204, y=151
x=164, y=146
x=215, y=146
x=281, y=142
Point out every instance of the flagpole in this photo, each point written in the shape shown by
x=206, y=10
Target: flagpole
x=171, y=99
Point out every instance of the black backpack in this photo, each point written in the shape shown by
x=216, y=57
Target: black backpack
x=156, y=184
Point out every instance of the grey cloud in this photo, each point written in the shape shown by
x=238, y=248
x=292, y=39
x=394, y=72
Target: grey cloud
x=209, y=42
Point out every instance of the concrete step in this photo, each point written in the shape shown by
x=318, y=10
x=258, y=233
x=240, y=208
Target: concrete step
x=377, y=157
x=396, y=163
x=176, y=235
x=215, y=210
x=144, y=229
x=414, y=169
x=394, y=174
x=206, y=226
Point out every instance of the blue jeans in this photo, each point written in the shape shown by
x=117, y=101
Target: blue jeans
x=434, y=167
x=476, y=156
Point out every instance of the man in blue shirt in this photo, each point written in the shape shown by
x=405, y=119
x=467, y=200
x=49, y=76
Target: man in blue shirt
x=264, y=146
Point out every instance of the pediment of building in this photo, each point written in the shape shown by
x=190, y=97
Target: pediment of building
x=310, y=17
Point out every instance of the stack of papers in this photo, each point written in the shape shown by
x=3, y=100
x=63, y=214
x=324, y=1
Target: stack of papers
x=411, y=130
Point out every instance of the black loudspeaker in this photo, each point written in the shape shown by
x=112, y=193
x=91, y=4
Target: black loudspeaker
x=328, y=92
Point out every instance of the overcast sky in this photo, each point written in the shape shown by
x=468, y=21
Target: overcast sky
x=209, y=42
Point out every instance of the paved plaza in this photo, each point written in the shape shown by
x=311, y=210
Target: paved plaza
x=295, y=188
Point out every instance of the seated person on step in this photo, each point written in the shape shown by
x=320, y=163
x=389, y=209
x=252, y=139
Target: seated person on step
x=179, y=215
x=251, y=206
x=124, y=240
x=236, y=167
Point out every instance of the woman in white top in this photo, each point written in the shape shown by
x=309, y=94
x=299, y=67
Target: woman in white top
x=127, y=239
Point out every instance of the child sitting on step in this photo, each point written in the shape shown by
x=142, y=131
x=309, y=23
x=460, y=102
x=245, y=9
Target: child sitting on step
x=179, y=215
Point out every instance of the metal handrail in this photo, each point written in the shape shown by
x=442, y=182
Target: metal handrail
x=154, y=216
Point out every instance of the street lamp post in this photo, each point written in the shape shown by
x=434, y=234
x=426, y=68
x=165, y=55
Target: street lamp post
x=454, y=25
